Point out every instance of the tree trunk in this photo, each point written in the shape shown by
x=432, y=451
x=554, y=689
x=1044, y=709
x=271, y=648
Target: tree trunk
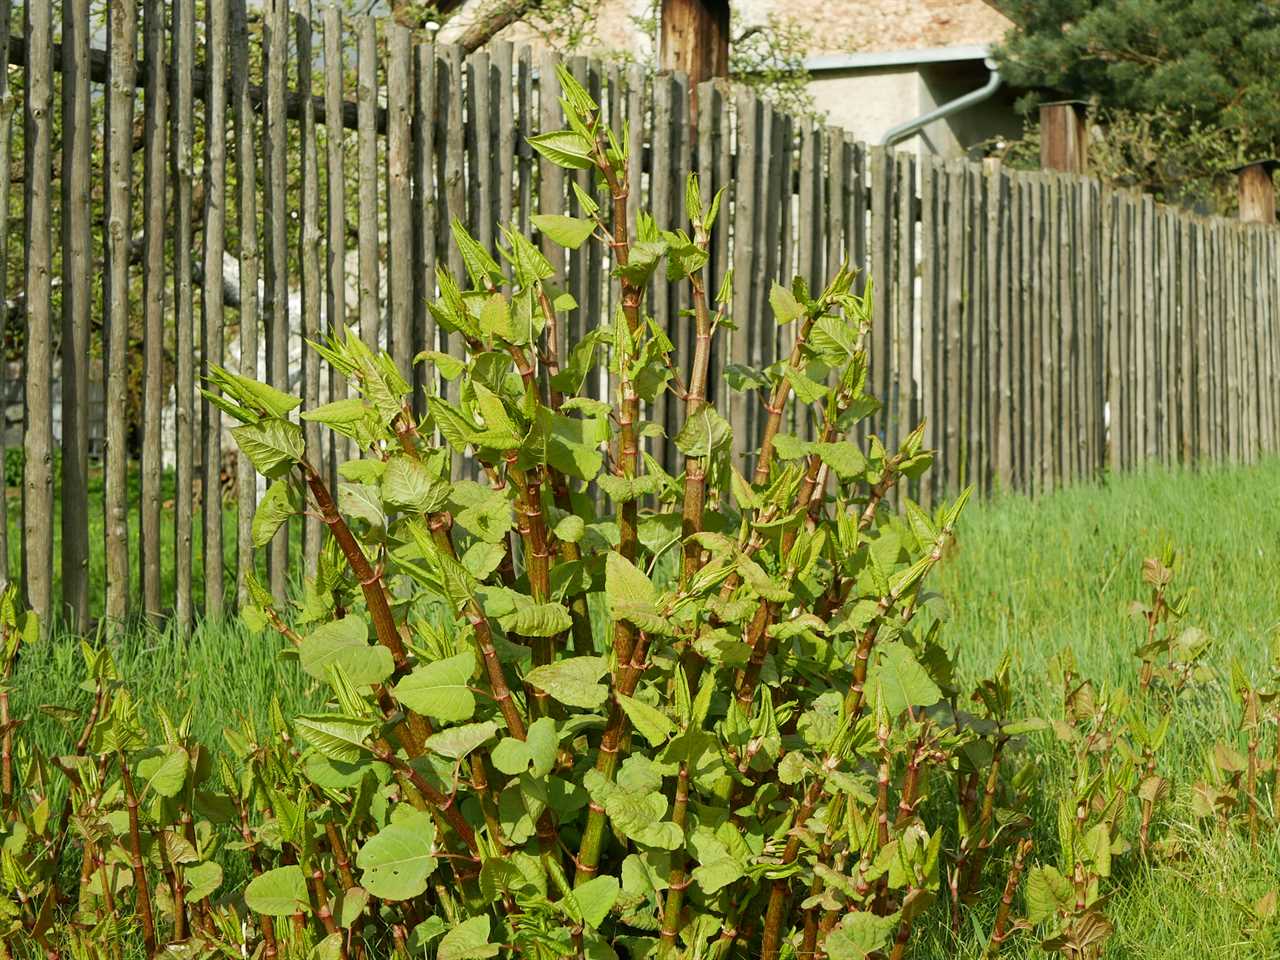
x=695, y=39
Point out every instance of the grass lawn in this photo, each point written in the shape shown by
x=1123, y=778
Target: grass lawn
x=1030, y=578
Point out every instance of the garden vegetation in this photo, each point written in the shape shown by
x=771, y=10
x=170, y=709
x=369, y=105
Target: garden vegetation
x=579, y=707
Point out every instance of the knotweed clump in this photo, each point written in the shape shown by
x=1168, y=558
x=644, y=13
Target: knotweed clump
x=576, y=705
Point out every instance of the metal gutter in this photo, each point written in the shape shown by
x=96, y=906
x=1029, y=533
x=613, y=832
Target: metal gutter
x=986, y=92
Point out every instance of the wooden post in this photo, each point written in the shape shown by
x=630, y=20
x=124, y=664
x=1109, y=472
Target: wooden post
x=1064, y=138
x=1257, y=191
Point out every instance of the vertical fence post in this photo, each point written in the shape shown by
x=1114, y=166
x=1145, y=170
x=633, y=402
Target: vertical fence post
x=211, y=300
x=37, y=469
x=247, y=213
x=309, y=257
x=277, y=259
x=77, y=131
x=122, y=32
x=183, y=37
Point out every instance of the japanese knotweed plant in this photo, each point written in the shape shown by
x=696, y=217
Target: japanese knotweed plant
x=578, y=706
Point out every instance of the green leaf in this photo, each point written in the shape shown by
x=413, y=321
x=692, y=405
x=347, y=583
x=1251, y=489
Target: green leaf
x=570, y=528
x=596, y=898
x=440, y=690
x=538, y=620
x=481, y=510
x=396, y=861
x=456, y=742
x=469, y=940
x=407, y=484
x=565, y=149
x=202, y=880
x=860, y=935
x=348, y=417
x=900, y=679
x=426, y=932
x=272, y=446
x=784, y=304
x=573, y=681
x=337, y=737
x=570, y=232
x=843, y=457
x=281, y=892
x=277, y=505
x=345, y=643
x=651, y=722
x=1048, y=892
x=538, y=749
x=704, y=433
x=166, y=773
x=625, y=582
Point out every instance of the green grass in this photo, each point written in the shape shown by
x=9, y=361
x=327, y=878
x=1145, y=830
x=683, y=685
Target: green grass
x=1027, y=577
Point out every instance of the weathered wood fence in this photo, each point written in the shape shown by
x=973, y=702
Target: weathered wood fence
x=1046, y=328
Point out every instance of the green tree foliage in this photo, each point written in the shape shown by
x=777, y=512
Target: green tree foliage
x=1165, y=73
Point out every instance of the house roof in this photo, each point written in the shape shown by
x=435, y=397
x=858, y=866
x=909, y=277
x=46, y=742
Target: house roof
x=877, y=60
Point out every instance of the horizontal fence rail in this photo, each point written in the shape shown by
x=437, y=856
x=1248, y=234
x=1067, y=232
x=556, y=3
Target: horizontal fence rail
x=228, y=187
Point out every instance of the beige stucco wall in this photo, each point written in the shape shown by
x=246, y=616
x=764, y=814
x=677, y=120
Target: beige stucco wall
x=835, y=26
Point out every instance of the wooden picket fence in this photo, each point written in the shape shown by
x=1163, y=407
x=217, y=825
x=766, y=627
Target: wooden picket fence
x=1044, y=327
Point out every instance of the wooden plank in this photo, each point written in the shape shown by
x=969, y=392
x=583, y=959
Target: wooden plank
x=37, y=437
x=77, y=132
x=309, y=258
x=183, y=39
x=881, y=163
x=1204, y=406
x=1002, y=377
x=211, y=298
x=275, y=207
x=1026, y=377
x=950, y=422
x=335, y=216
x=247, y=216
x=663, y=192
x=1111, y=328
x=503, y=64
x=836, y=185
x=905, y=413
x=973, y=370
x=425, y=229
x=524, y=121
x=765, y=338
x=400, y=197
x=808, y=224
x=452, y=188
x=480, y=152
x=122, y=43
x=1044, y=427
x=154, y=282
x=551, y=177
x=930, y=247
x=370, y=310
x=745, y=210
x=1146, y=354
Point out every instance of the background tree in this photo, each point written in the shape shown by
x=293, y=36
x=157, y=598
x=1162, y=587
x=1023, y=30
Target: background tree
x=1193, y=68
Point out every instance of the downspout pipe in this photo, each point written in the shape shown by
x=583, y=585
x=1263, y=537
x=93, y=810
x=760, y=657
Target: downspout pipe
x=904, y=130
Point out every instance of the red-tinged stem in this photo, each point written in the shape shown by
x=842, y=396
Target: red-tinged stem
x=678, y=881
x=1000, y=932
x=444, y=805
x=695, y=480
x=375, y=596
x=778, y=402
x=266, y=923
x=986, y=816
x=136, y=862
x=588, y=859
